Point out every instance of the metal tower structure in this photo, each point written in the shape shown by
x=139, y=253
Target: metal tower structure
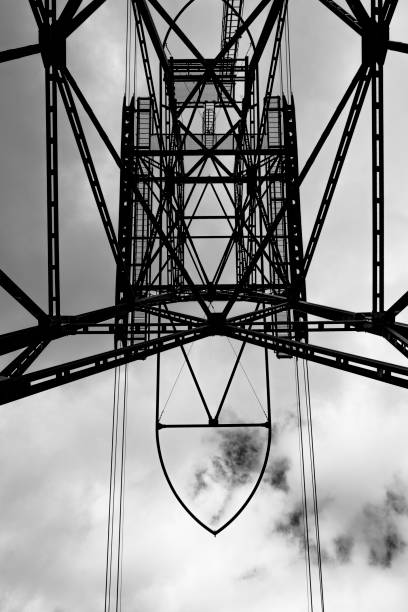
x=206, y=125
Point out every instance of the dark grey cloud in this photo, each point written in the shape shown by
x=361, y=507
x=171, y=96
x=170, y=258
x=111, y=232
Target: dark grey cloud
x=277, y=473
x=240, y=455
x=292, y=525
x=377, y=529
x=343, y=547
x=237, y=455
x=235, y=458
x=382, y=530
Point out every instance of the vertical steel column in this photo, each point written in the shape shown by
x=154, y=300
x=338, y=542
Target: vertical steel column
x=294, y=220
x=126, y=206
x=377, y=98
x=51, y=122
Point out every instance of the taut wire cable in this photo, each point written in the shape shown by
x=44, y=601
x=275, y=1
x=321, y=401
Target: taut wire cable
x=313, y=474
x=303, y=490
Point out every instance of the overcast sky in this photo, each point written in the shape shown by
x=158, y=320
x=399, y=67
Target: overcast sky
x=54, y=447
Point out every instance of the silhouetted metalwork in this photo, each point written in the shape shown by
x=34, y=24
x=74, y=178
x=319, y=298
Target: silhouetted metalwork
x=206, y=126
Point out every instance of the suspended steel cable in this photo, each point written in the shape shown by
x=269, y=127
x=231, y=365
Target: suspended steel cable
x=306, y=538
x=112, y=490
x=116, y=513
x=118, y=438
x=248, y=379
x=313, y=474
x=119, y=574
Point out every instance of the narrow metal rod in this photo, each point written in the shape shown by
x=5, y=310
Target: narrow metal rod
x=51, y=128
x=377, y=118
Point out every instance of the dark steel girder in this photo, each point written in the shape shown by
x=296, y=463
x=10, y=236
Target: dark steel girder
x=35, y=339
x=68, y=13
x=359, y=12
x=22, y=386
x=342, y=14
x=389, y=9
x=377, y=129
x=21, y=297
x=369, y=368
x=81, y=17
x=89, y=167
x=338, y=163
x=266, y=33
x=244, y=27
x=398, y=306
x=176, y=29
x=332, y=122
x=88, y=109
x=51, y=129
x=38, y=10
x=398, y=340
x=24, y=360
x=11, y=54
x=398, y=46
x=69, y=325
x=259, y=252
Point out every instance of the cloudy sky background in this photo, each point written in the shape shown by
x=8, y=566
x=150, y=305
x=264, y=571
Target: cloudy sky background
x=54, y=447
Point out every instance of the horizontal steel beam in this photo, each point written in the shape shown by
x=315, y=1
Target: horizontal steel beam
x=184, y=179
x=22, y=386
x=355, y=364
x=206, y=152
x=11, y=54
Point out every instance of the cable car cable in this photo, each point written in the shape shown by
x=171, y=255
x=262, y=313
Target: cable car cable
x=313, y=474
x=303, y=490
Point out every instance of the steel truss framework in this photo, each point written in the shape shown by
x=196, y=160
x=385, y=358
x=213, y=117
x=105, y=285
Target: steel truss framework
x=163, y=159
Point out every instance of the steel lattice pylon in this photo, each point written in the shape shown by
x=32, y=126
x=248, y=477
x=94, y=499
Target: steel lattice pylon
x=203, y=113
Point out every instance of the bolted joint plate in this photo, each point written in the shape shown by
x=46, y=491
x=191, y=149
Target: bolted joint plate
x=374, y=43
x=53, y=44
x=216, y=323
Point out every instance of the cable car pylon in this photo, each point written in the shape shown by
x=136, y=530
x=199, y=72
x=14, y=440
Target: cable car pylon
x=209, y=239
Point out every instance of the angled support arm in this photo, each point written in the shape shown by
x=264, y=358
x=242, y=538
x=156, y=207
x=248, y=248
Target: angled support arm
x=335, y=172
x=259, y=252
x=81, y=17
x=49, y=378
x=38, y=9
x=359, y=11
x=88, y=109
x=398, y=306
x=398, y=46
x=343, y=15
x=68, y=13
x=329, y=127
x=85, y=154
x=241, y=30
x=398, y=340
x=24, y=360
x=176, y=29
x=11, y=54
x=141, y=6
x=273, y=15
x=364, y=366
x=22, y=298
x=389, y=9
